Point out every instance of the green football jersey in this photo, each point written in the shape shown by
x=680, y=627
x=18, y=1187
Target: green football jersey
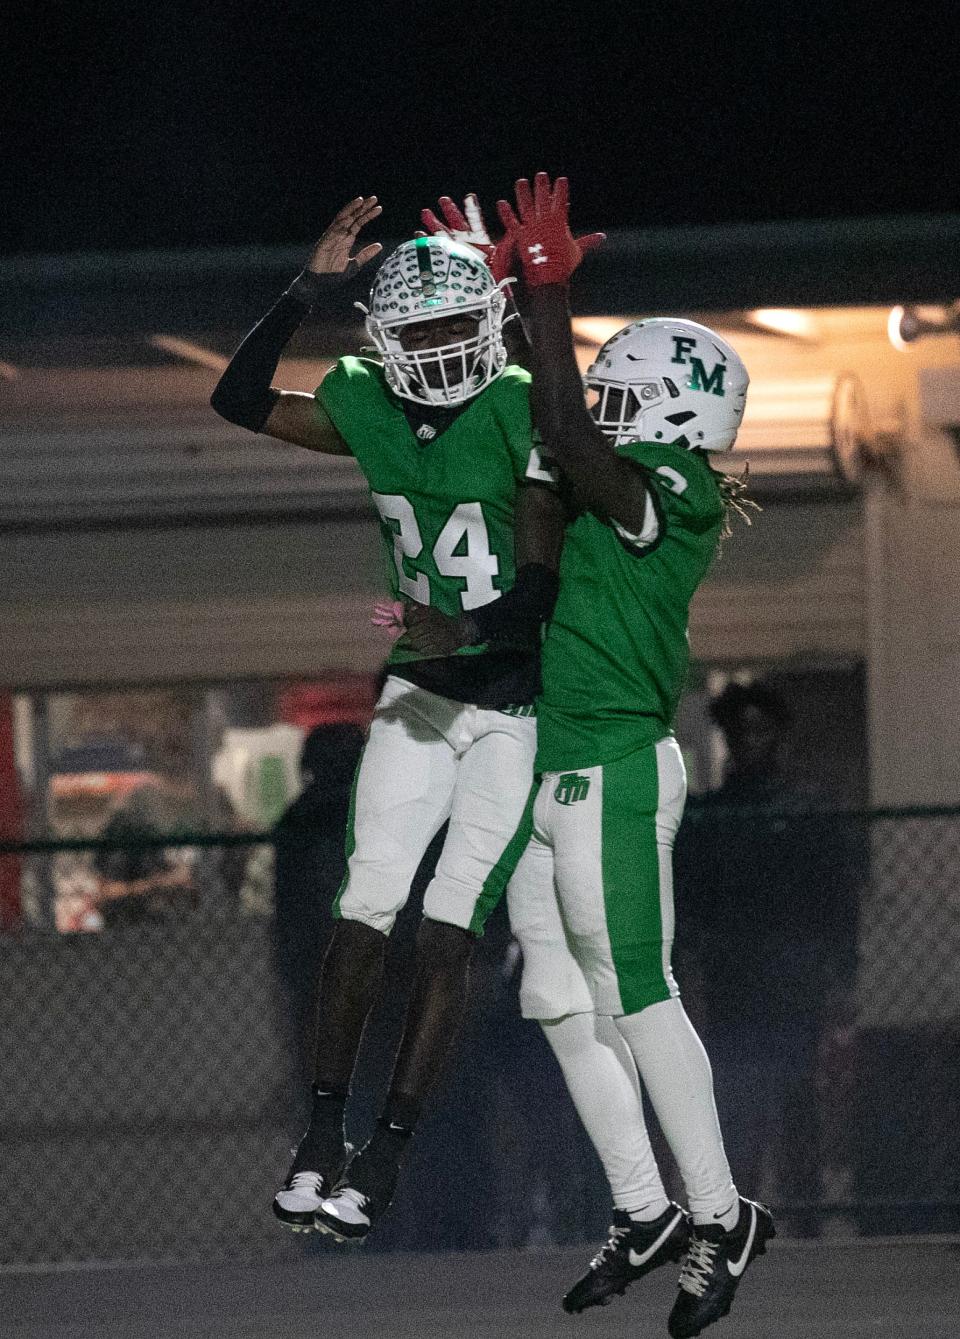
x=446, y=503
x=616, y=654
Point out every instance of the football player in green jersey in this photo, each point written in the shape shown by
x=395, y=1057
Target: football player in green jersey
x=591, y=902
x=440, y=427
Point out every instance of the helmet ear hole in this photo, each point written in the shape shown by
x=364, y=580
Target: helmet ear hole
x=681, y=417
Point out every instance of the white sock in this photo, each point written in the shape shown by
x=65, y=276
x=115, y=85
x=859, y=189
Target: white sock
x=677, y=1076
x=602, y=1079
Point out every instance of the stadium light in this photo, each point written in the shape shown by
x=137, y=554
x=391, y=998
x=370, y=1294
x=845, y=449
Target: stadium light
x=785, y=321
x=905, y=324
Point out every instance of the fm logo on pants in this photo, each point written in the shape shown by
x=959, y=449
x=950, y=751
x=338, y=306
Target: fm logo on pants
x=571, y=787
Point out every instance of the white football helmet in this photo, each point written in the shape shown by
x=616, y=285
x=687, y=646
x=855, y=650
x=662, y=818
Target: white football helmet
x=427, y=278
x=669, y=380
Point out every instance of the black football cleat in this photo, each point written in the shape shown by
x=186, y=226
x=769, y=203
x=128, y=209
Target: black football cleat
x=366, y=1188
x=632, y=1250
x=714, y=1265
x=315, y=1171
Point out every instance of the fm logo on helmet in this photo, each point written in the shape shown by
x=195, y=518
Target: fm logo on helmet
x=700, y=379
x=640, y=396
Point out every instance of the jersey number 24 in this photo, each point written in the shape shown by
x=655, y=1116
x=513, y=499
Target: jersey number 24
x=465, y=529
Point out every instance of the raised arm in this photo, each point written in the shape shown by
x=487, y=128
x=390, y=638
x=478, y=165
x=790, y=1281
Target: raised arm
x=244, y=394
x=469, y=226
x=546, y=253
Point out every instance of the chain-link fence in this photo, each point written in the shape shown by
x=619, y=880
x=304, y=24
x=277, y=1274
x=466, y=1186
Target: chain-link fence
x=152, y=1078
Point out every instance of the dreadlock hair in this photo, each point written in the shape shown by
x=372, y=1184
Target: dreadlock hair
x=733, y=490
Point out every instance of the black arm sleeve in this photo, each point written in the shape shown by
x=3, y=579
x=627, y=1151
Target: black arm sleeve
x=516, y=617
x=243, y=395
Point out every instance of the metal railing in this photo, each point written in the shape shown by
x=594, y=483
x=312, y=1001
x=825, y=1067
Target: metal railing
x=153, y=1058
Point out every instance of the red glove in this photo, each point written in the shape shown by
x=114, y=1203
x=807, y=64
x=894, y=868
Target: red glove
x=472, y=230
x=548, y=251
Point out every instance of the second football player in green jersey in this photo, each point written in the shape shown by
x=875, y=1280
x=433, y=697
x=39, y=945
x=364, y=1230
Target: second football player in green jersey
x=616, y=653
x=591, y=902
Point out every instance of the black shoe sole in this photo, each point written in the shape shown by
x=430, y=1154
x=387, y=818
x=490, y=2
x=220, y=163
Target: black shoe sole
x=339, y=1231
x=601, y=1299
x=293, y=1222
x=604, y=1298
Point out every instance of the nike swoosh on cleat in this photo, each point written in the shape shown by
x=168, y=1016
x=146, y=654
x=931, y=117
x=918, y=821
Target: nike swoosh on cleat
x=638, y=1260
x=736, y=1267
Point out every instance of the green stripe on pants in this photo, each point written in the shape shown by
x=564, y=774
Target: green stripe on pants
x=631, y=878
x=502, y=872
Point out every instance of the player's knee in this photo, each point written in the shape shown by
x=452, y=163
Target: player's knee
x=373, y=900
x=552, y=988
x=373, y=919
x=457, y=903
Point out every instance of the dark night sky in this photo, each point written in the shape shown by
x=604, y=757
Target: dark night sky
x=216, y=123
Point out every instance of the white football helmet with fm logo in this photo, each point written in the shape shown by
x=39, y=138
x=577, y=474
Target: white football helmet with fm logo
x=428, y=278
x=669, y=380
